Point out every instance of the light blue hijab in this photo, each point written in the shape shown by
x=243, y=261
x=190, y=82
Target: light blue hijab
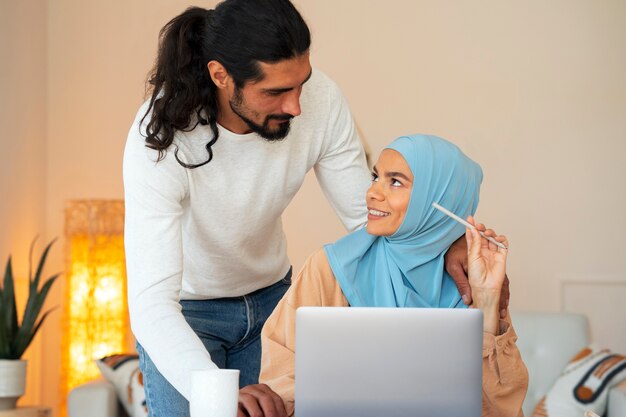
x=407, y=268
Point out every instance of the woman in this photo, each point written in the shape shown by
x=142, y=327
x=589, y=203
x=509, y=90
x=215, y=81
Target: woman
x=397, y=261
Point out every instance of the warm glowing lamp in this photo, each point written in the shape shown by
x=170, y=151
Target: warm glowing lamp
x=96, y=314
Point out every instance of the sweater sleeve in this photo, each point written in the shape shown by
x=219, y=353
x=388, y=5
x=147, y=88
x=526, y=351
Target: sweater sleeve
x=505, y=377
x=341, y=170
x=315, y=285
x=154, y=196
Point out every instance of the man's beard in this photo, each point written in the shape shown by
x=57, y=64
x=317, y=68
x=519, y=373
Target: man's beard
x=236, y=105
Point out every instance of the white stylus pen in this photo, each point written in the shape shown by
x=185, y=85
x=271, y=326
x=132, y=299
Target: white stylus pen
x=466, y=224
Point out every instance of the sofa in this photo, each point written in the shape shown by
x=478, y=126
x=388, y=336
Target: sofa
x=94, y=399
x=547, y=341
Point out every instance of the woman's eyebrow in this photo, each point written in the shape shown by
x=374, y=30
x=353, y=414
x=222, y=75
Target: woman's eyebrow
x=392, y=174
x=397, y=174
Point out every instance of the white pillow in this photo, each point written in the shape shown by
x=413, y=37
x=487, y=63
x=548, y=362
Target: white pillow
x=584, y=384
x=123, y=372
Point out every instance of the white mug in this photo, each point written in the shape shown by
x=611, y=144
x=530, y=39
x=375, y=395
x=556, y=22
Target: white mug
x=214, y=393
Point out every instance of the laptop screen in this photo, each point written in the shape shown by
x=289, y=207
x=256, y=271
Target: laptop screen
x=397, y=362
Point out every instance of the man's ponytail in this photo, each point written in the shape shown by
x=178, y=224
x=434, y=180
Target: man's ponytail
x=181, y=84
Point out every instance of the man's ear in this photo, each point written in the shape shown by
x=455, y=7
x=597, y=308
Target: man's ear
x=218, y=74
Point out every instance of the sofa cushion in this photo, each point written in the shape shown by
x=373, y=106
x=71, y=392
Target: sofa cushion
x=584, y=384
x=124, y=373
x=546, y=342
x=93, y=399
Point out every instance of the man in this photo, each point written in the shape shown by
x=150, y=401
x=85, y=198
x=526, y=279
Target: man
x=236, y=119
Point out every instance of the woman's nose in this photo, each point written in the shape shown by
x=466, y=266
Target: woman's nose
x=373, y=193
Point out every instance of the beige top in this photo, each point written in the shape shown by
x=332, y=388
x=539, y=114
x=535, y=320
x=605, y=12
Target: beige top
x=505, y=378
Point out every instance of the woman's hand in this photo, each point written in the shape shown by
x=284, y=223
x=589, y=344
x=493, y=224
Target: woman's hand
x=456, y=266
x=486, y=266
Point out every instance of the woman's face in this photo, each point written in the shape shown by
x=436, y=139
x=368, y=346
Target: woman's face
x=389, y=195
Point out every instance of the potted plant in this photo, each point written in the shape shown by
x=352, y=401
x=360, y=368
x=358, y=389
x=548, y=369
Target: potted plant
x=14, y=337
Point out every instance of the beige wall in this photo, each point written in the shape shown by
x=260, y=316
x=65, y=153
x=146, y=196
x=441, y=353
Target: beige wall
x=22, y=127
x=22, y=139
x=534, y=91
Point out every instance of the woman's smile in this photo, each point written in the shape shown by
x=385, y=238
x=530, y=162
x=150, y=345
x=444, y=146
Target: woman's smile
x=374, y=214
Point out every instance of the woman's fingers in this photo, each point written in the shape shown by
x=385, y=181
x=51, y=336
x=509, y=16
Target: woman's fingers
x=486, y=244
x=473, y=245
x=501, y=239
x=474, y=240
x=481, y=227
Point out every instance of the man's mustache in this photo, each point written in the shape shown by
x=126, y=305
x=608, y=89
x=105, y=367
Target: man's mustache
x=280, y=117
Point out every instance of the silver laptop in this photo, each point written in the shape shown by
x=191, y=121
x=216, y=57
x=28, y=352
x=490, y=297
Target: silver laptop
x=388, y=362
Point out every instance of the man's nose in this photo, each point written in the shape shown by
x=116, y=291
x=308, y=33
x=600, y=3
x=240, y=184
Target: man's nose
x=291, y=105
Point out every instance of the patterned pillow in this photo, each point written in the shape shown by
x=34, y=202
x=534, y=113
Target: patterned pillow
x=583, y=385
x=123, y=372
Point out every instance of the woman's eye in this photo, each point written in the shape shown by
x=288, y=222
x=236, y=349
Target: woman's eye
x=374, y=177
x=395, y=183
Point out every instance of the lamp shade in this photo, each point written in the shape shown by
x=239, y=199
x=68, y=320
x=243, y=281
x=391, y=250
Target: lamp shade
x=95, y=308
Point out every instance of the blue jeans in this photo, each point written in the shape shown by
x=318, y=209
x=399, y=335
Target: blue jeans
x=230, y=329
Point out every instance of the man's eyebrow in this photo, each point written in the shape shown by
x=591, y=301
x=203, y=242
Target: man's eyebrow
x=308, y=77
x=284, y=90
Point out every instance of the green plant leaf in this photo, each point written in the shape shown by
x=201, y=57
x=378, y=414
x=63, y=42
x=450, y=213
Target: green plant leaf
x=15, y=339
x=30, y=258
x=42, y=261
x=35, y=300
x=23, y=342
x=33, y=286
x=5, y=342
x=34, y=281
x=9, y=307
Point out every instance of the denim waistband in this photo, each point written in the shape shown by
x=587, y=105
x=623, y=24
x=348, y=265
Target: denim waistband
x=284, y=280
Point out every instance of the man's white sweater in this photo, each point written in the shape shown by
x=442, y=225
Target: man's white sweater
x=215, y=231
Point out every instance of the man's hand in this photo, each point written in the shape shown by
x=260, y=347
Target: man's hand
x=456, y=266
x=260, y=401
